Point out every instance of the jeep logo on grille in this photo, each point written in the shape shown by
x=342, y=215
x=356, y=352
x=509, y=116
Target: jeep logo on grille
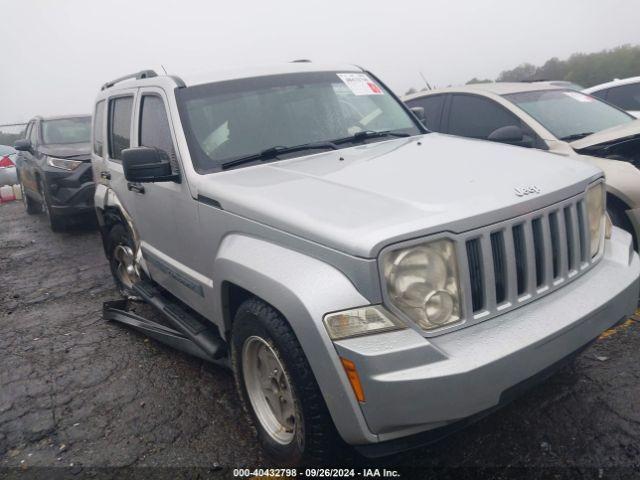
x=527, y=190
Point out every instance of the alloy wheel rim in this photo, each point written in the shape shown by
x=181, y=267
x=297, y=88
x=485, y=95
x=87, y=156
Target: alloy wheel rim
x=269, y=389
x=125, y=265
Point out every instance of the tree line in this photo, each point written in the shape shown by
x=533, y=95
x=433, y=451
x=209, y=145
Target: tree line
x=585, y=69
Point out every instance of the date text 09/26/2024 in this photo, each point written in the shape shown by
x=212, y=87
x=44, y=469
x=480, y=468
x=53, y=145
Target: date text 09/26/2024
x=316, y=473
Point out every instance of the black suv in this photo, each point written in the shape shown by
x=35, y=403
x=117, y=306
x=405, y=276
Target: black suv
x=54, y=168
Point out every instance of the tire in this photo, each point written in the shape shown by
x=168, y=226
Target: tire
x=119, y=245
x=31, y=207
x=56, y=222
x=314, y=438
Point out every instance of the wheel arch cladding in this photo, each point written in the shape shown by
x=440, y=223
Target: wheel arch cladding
x=302, y=289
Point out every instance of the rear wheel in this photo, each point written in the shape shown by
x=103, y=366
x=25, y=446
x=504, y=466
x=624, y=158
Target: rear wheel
x=56, y=222
x=278, y=389
x=121, y=255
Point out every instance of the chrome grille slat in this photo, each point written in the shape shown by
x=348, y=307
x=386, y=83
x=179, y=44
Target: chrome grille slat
x=488, y=273
x=547, y=252
x=531, y=258
x=562, y=241
x=574, y=235
x=513, y=262
x=584, y=233
x=510, y=260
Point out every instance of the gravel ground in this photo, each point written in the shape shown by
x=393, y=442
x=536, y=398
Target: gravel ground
x=82, y=393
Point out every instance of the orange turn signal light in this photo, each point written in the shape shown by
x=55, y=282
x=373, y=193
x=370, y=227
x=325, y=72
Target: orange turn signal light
x=354, y=379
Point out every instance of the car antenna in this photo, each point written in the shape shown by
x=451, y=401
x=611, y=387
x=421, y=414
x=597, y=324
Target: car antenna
x=425, y=81
x=165, y=70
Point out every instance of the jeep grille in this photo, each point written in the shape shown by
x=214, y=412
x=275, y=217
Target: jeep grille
x=514, y=262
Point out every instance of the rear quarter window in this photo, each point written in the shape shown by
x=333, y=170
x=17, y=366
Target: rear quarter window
x=98, y=129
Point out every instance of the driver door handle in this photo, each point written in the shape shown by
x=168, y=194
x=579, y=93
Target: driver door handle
x=135, y=187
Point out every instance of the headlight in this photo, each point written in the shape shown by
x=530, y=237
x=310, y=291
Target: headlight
x=63, y=163
x=422, y=282
x=360, y=321
x=595, y=202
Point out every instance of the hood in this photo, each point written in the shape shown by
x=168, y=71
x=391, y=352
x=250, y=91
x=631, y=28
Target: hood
x=358, y=200
x=76, y=151
x=610, y=134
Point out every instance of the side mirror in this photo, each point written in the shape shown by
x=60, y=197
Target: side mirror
x=22, y=145
x=146, y=165
x=507, y=134
x=419, y=113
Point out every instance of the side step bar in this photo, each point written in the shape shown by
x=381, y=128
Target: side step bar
x=188, y=334
x=117, y=311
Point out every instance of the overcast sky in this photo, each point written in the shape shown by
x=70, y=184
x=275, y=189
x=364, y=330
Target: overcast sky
x=56, y=54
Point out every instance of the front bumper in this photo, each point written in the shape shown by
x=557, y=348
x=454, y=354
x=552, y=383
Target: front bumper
x=413, y=384
x=71, y=193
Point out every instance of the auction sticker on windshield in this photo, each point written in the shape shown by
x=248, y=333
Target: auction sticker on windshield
x=360, y=84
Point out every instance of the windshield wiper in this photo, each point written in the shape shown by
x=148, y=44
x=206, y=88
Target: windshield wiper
x=366, y=134
x=576, y=136
x=273, y=152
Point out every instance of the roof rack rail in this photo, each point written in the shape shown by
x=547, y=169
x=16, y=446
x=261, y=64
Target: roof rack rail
x=138, y=76
x=301, y=60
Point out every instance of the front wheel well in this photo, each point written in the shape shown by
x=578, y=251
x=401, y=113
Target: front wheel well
x=232, y=297
x=107, y=218
x=617, y=211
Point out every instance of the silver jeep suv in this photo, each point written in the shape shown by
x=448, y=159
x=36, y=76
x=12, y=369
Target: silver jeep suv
x=368, y=282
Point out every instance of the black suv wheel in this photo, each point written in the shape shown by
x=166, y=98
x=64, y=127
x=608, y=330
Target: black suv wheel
x=32, y=207
x=56, y=222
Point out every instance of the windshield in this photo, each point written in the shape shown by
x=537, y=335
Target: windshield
x=66, y=130
x=233, y=119
x=567, y=114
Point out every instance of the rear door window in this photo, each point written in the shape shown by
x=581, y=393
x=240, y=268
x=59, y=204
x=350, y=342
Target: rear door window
x=120, y=110
x=477, y=117
x=432, y=110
